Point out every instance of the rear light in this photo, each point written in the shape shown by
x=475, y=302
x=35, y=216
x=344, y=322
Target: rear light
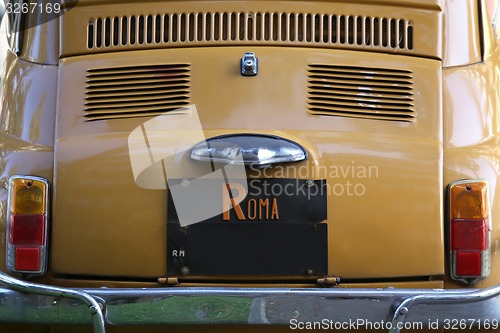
x=470, y=228
x=27, y=228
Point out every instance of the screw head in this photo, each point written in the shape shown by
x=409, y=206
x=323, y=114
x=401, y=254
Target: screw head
x=249, y=64
x=404, y=311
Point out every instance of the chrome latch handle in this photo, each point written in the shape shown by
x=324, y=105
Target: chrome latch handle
x=249, y=64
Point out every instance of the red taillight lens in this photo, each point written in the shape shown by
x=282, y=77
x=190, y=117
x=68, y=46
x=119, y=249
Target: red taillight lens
x=469, y=235
x=469, y=230
x=468, y=263
x=27, y=227
x=27, y=230
x=27, y=259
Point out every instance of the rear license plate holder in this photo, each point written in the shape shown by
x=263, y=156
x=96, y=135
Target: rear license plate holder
x=291, y=241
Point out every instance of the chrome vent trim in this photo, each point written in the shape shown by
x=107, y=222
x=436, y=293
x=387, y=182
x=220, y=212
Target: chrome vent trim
x=361, y=92
x=250, y=28
x=136, y=91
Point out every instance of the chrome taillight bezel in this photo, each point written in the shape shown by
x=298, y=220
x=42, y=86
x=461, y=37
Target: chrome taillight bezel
x=11, y=248
x=485, y=262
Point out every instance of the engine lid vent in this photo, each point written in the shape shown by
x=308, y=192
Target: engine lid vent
x=347, y=31
x=361, y=92
x=136, y=91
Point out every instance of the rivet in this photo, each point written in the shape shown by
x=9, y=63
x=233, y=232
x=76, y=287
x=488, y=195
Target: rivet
x=184, y=271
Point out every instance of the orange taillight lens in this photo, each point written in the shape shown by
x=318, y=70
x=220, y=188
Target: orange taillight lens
x=28, y=196
x=469, y=211
x=469, y=200
x=27, y=232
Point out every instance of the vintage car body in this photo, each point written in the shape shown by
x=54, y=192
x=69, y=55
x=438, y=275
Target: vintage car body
x=393, y=101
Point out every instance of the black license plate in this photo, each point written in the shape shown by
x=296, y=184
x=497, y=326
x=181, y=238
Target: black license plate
x=275, y=231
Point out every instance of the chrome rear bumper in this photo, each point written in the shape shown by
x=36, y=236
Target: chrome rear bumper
x=340, y=308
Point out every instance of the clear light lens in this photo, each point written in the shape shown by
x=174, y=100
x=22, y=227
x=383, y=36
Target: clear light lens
x=254, y=150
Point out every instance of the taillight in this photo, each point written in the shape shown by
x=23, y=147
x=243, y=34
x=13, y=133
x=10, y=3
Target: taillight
x=469, y=230
x=27, y=227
